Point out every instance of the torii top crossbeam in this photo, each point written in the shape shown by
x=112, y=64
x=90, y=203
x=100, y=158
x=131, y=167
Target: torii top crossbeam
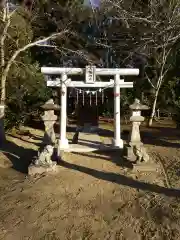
x=99, y=71
x=90, y=76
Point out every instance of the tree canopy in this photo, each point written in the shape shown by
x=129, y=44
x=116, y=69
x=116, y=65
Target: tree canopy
x=142, y=34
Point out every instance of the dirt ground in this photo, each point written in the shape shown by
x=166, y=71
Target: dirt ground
x=94, y=195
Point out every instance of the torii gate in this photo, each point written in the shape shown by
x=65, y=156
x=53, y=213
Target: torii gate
x=90, y=82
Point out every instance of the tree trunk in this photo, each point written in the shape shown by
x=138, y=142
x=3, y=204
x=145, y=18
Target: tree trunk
x=153, y=109
x=2, y=104
x=2, y=131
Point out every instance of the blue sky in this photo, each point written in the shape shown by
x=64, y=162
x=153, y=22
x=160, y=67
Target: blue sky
x=92, y=3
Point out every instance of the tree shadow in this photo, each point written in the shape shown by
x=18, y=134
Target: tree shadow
x=110, y=133
x=105, y=132
x=37, y=124
x=20, y=157
x=157, y=136
x=35, y=138
x=122, y=180
x=71, y=129
x=160, y=142
x=161, y=136
x=117, y=156
x=89, y=144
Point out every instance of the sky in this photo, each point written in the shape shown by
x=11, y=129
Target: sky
x=92, y=3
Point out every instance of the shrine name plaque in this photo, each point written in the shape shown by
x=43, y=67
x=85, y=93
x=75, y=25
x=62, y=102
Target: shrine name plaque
x=90, y=75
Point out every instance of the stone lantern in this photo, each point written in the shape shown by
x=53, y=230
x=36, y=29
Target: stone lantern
x=49, y=119
x=135, y=149
x=43, y=162
x=136, y=120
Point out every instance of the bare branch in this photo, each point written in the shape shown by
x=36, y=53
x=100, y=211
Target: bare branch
x=14, y=56
x=152, y=85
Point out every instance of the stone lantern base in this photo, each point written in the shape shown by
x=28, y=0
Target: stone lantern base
x=35, y=170
x=137, y=153
x=130, y=154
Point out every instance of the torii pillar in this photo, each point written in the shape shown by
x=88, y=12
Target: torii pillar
x=63, y=141
x=117, y=141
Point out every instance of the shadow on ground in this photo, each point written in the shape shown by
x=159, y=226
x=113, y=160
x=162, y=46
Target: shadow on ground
x=161, y=136
x=31, y=141
x=26, y=156
x=122, y=180
x=20, y=157
x=157, y=136
x=36, y=124
x=115, y=156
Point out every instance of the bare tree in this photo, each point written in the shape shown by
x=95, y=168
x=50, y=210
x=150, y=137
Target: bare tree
x=7, y=62
x=155, y=28
x=162, y=42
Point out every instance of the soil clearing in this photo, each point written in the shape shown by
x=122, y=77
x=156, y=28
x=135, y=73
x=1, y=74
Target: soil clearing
x=94, y=195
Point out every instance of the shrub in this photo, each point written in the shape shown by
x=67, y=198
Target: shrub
x=26, y=92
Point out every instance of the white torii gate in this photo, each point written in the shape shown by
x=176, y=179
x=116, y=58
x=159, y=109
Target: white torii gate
x=90, y=82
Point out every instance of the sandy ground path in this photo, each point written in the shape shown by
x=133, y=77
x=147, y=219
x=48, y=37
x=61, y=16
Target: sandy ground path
x=94, y=196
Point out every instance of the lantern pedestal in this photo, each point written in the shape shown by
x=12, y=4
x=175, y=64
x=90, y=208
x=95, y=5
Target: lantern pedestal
x=136, y=151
